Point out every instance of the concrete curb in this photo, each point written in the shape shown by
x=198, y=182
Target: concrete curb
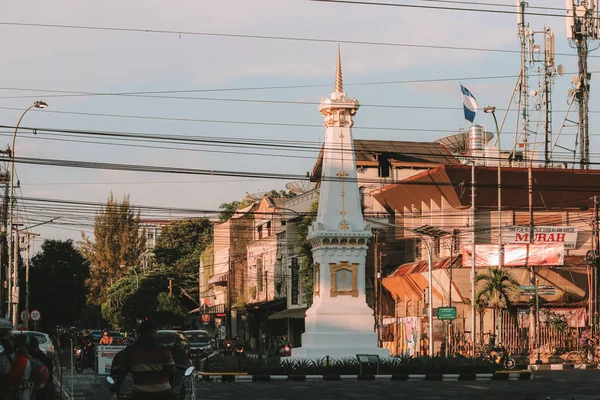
x=501, y=376
x=559, y=367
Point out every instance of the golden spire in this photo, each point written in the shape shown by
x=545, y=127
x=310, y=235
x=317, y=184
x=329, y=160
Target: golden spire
x=339, y=84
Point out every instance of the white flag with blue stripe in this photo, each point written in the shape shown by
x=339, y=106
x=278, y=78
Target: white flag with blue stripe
x=469, y=104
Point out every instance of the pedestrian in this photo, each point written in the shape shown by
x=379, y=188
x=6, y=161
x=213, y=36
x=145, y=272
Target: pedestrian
x=151, y=365
x=19, y=375
x=45, y=385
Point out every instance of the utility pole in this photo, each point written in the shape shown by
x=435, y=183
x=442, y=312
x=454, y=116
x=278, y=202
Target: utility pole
x=594, y=270
x=15, y=273
x=376, y=284
x=473, y=259
x=170, y=286
x=229, y=291
x=4, y=271
x=532, y=280
x=27, y=236
x=582, y=26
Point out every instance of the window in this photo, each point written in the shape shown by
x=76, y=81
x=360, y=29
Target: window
x=259, y=232
x=436, y=246
x=456, y=242
x=268, y=226
x=418, y=248
x=384, y=166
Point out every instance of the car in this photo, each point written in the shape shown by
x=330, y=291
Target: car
x=43, y=339
x=97, y=335
x=178, y=344
x=117, y=337
x=199, y=342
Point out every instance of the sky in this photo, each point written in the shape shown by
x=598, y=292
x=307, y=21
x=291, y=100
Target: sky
x=228, y=70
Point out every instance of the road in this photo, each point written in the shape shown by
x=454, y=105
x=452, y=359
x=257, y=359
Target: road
x=554, y=385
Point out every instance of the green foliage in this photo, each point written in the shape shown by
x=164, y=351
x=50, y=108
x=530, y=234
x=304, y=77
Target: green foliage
x=181, y=244
x=499, y=287
x=228, y=209
x=307, y=272
x=57, y=283
x=118, y=246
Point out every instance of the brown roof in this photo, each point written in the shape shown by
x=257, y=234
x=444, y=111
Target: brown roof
x=553, y=189
x=399, y=153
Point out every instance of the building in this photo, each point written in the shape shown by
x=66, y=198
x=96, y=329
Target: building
x=440, y=198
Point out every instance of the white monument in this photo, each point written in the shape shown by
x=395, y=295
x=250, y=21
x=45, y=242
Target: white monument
x=339, y=323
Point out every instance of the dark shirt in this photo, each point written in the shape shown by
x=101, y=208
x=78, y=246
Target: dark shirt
x=150, y=364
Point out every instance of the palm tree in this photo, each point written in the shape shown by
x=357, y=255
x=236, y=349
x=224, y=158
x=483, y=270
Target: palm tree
x=499, y=287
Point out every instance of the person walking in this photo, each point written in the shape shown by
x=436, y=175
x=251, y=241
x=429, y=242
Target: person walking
x=151, y=365
x=45, y=389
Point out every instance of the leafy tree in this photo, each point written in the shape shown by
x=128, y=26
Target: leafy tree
x=499, y=286
x=57, y=283
x=307, y=270
x=227, y=210
x=118, y=246
x=181, y=243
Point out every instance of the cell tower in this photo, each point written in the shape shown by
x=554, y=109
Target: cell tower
x=547, y=74
x=582, y=28
x=525, y=37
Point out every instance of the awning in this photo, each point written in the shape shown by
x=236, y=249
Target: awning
x=218, y=278
x=297, y=313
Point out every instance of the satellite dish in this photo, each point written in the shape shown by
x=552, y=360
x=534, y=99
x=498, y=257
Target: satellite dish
x=299, y=187
x=560, y=70
x=533, y=93
x=571, y=91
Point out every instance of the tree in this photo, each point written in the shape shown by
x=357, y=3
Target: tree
x=181, y=243
x=118, y=246
x=57, y=283
x=307, y=270
x=499, y=286
x=227, y=210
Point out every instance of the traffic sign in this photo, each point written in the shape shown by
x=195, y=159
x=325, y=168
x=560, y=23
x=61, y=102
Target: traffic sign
x=527, y=293
x=546, y=287
x=549, y=293
x=446, y=313
x=24, y=315
x=36, y=315
x=527, y=287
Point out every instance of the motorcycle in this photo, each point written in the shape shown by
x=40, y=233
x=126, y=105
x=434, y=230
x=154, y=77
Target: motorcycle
x=83, y=359
x=188, y=375
x=238, y=350
x=500, y=357
x=284, y=348
x=228, y=350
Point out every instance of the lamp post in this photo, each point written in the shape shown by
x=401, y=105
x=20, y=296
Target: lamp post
x=492, y=110
x=13, y=269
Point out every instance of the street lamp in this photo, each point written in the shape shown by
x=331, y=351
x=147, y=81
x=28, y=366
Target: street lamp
x=12, y=242
x=492, y=110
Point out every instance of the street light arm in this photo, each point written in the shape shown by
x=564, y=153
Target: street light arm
x=41, y=223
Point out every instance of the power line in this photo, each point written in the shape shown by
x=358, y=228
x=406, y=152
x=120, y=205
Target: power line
x=295, y=38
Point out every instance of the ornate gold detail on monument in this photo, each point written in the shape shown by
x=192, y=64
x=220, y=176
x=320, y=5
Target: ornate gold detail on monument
x=344, y=279
x=339, y=84
x=344, y=226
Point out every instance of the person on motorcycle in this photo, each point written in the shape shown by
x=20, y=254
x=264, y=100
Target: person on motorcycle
x=151, y=365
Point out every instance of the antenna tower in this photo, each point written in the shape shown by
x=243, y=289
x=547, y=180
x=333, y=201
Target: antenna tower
x=582, y=28
x=525, y=39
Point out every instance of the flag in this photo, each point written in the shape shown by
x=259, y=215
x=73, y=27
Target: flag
x=469, y=104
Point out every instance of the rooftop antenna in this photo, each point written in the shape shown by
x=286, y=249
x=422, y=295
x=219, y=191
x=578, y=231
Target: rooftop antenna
x=582, y=28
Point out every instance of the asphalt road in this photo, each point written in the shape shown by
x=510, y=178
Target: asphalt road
x=553, y=385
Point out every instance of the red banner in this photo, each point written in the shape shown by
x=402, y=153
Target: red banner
x=515, y=255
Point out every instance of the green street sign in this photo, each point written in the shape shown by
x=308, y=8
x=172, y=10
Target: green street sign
x=527, y=287
x=527, y=293
x=546, y=287
x=549, y=293
x=446, y=313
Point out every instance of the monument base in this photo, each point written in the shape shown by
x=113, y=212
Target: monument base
x=336, y=334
